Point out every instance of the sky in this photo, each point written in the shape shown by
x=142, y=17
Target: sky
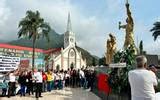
x=92, y=20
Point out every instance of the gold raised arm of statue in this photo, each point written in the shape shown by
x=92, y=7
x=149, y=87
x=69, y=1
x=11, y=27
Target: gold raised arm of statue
x=111, y=48
x=129, y=26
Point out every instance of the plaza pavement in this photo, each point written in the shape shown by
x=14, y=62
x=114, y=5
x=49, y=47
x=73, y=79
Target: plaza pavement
x=65, y=94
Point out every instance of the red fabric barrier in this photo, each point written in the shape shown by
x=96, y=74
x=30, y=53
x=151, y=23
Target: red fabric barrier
x=103, y=83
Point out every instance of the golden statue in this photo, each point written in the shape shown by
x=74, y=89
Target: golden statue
x=129, y=38
x=111, y=48
x=108, y=58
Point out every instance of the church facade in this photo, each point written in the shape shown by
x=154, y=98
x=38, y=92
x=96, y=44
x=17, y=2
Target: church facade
x=68, y=56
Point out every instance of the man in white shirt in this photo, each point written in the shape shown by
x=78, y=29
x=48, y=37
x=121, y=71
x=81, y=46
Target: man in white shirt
x=81, y=74
x=142, y=81
x=12, y=83
x=38, y=82
x=82, y=78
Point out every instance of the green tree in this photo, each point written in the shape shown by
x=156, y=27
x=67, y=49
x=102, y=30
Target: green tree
x=33, y=26
x=141, y=47
x=94, y=61
x=46, y=59
x=156, y=30
x=101, y=61
x=118, y=79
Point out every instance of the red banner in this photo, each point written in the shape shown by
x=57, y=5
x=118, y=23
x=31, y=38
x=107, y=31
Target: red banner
x=24, y=63
x=103, y=83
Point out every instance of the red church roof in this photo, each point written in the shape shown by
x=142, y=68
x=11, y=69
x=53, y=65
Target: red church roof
x=52, y=50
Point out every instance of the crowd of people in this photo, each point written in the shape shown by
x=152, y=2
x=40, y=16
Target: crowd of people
x=36, y=81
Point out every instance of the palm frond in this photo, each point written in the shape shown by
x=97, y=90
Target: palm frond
x=45, y=30
x=156, y=30
x=156, y=34
x=33, y=25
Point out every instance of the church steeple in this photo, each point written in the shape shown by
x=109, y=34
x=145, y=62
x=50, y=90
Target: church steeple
x=69, y=36
x=69, y=26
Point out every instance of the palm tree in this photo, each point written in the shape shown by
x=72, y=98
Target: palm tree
x=33, y=27
x=156, y=30
x=46, y=59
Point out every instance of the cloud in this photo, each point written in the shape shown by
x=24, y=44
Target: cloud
x=142, y=32
x=91, y=35
x=4, y=16
x=151, y=46
x=113, y=6
x=91, y=29
x=88, y=29
x=154, y=47
x=4, y=12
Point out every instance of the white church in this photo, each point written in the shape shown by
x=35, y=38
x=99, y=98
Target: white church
x=68, y=56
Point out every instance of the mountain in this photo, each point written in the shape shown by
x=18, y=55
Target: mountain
x=2, y=41
x=89, y=58
x=56, y=41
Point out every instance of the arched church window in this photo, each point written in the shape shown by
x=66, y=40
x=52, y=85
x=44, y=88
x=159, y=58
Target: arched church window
x=66, y=39
x=72, y=54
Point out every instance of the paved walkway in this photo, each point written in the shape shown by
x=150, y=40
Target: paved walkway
x=66, y=94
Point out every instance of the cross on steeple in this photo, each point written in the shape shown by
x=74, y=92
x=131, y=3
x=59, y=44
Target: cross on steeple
x=69, y=26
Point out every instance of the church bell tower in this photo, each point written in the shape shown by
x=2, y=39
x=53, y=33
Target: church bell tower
x=69, y=36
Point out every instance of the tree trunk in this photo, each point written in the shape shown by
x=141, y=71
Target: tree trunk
x=33, y=55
